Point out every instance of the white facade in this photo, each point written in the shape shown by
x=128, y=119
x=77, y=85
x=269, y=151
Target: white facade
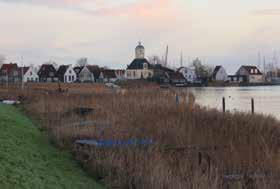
x=221, y=75
x=31, y=75
x=139, y=74
x=86, y=75
x=188, y=73
x=256, y=78
x=70, y=75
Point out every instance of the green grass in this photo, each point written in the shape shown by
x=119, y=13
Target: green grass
x=27, y=159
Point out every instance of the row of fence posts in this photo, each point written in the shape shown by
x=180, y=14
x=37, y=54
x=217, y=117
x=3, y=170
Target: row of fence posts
x=224, y=104
x=252, y=105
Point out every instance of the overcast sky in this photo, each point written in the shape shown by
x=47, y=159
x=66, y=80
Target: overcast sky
x=224, y=32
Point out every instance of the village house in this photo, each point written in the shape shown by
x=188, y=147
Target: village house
x=29, y=74
x=108, y=76
x=89, y=73
x=176, y=78
x=219, y=74
x=66, y=74
x=161, y=73
x=78, y=70
x=140, y=68
x=47, y=73
x=250, y=74
x=120, y=74
x=9, y=73
x=188, y=73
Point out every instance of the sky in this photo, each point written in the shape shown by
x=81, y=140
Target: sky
x=219, y=32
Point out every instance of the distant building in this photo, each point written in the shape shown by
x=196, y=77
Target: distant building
x=176, y=78
x=66, y=74
x=108, y=76
x=89, y=73
x=140, y=68
x=9, y=73
x=219, y=74
x=251, y=74
x=47, y=73
x=120, y=74
x=188, y=73
x=29, y=74
x=77, y=70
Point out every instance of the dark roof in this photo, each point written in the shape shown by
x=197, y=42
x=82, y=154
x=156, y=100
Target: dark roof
x=45, y=70
x=137, y=64
x=217, y=68
x=9, y=67
x=78, y=69
x=176, y=76
x=23, y=69
x=61, y=70
x=163, y=68
x=95, y=70
x=249, y=68
x=110, y=74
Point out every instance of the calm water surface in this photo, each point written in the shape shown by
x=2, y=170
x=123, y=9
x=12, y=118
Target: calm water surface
x=267, y=98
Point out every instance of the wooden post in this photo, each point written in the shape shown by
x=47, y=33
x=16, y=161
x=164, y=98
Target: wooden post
x=224, y=104
x=253, y=105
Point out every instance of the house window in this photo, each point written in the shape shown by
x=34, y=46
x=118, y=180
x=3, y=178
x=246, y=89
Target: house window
x=65, y=78
x=134, y=73
x=73, y=78
x=30, y=73
x=70, y=71
x=145, y=65
x=69, y=78
x=252, y=71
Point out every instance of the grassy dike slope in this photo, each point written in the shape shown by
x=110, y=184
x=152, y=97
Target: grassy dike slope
x=27, y=160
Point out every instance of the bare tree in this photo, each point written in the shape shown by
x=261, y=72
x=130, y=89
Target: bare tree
x=202, y=70
x=82, y=61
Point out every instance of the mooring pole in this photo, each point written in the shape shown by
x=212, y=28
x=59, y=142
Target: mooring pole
x=253, y=105
x=224, y=104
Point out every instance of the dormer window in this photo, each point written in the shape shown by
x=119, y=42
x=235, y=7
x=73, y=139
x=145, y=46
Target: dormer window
x=252, y=71
x=145, y=66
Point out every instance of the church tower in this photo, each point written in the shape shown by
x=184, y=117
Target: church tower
x=140, y=51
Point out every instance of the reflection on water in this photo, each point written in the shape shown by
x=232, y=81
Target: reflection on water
x=267, y=98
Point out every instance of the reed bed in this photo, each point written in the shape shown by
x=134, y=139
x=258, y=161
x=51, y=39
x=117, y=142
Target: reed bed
x=193, y=147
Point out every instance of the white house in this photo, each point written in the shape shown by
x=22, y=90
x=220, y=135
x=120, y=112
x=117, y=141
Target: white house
x=219, y=74
x=66, y=74
x=188, y=73
x=251, y=74
x=140, y=68
x=29, y=74
x=89, y=73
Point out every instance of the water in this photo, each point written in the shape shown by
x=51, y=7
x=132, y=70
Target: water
x=267, y=98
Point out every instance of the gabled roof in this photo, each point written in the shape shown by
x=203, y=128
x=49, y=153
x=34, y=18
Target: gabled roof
x=95, y=70
x=138, y=64
x=250, y=68
x=9, y=67
x=23, y=70
x=78, y=69
x=46, y=69
x=163, y=68
x=110, y=74
x=216, y=70
x=176, y=76
x=62, y=70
